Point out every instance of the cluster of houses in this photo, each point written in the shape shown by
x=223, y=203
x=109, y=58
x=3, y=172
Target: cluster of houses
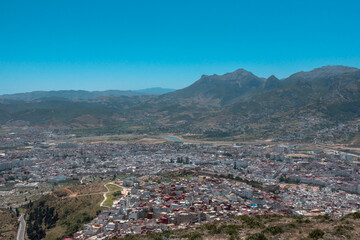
x=154, y=207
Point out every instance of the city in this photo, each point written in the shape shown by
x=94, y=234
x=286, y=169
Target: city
x=173, y=185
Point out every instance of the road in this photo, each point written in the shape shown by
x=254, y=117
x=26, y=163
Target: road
x=105, y=197
x=21, y=230
x=124, y=192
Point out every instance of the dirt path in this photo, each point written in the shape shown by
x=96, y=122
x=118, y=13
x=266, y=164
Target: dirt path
x=72, y=194
x=105, y=197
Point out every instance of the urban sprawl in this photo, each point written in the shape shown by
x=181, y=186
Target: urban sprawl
x=177, y=185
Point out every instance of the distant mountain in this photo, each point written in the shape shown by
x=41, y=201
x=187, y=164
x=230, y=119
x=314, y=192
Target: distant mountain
x=318, y=104
x=323, y=72
x=272, y=83
x=155, y=91
x=319, y=89
x=68, y=94
x=81, y=94
x=220, y=89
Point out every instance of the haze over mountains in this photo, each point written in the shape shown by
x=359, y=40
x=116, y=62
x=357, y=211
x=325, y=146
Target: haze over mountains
x=81, y=94
x=233, y=104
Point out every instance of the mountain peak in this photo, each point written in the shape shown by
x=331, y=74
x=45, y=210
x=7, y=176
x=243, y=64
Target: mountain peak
x=272, y=78
x=221, y=89
x=239, y=73
x=272, y=82
x=236, y=75
x=325, y=71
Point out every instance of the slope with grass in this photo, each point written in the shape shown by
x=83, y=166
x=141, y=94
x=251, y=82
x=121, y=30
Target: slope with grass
x=63, y=212
x=267, y=227
x=113, y=191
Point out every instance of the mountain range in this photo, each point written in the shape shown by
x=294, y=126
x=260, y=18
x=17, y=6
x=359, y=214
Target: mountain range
x=81, y=94
x=306, y=106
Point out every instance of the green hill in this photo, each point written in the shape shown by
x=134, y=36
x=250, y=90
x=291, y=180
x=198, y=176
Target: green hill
x=63, y=212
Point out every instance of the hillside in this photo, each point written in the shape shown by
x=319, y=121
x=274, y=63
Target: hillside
x=239, y=105
x=215, y=90
x=63, y=212
x=267, y=227
x=8, y=224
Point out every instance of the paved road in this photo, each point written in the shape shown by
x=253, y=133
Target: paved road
x=21, y=230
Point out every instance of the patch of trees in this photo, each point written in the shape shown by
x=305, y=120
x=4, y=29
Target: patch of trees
x=288, y=180
x=216, y=134
x=75, y=222
x=252, y=183
x=40, y=218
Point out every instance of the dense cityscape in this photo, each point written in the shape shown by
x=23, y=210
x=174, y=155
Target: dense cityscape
x=176, y=184
x=179, y=120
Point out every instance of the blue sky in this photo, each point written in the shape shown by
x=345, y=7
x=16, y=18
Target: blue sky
x=99, y=45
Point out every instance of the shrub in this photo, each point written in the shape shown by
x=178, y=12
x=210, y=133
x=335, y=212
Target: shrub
x=323, y=217
x=316, y=234
x=257, y=236
x=230, y=229
x=274, y=230
x=192, y=236
x=343, y=230
x=356, y=215
x=291, y=225
x=251, y=222
x=210, y=226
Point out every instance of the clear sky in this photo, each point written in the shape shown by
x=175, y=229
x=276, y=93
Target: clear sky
x=99, y=45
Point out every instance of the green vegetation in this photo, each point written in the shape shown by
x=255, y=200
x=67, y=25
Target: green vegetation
x=257, y=236
x=274, y=230
x=213, y=109
x=40, y=218
x=251, y=222
x=356, y=215
x=230, y=229
x=114, y=192
x=192, y=236
x=263, y=227
x=252, y=183
x=61, y=214
x=316, y=234
x=343, y=230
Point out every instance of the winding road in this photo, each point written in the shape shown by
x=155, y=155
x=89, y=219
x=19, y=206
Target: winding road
x=124, y=192
x=21, y=230
x=105, y=197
